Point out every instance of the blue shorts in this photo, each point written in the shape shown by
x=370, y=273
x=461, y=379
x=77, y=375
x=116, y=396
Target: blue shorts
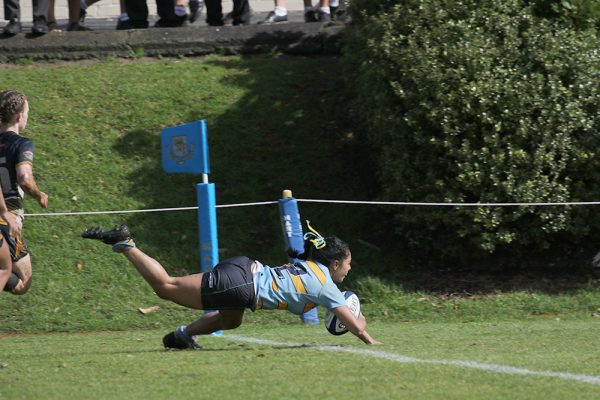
x=229, y=285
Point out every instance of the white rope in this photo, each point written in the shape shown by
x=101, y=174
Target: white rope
x=259, y=203
x=144, y=211
x=381, y=203
x=409, y=203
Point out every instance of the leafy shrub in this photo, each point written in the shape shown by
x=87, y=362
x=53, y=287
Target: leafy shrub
x=581, y=14
x=480, y=101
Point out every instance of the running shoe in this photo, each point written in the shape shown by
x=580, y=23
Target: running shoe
x=179, y=339
x=107, y=235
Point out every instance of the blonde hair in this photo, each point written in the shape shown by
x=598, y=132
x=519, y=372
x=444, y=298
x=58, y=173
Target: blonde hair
x=12, y=103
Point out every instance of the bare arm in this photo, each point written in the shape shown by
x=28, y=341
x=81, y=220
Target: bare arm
x=355, y=325
x=14, y=224
x=28, y=184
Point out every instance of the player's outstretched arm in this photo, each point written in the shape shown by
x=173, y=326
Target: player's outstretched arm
x=355, y=325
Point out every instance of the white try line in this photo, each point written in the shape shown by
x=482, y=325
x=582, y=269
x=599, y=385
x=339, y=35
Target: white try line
x=497, y=368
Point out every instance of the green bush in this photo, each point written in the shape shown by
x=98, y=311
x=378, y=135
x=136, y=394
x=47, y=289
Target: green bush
x=480, y=101
x=580, y=14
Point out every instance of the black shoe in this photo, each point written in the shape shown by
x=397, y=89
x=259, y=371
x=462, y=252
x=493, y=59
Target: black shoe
x=82, y=15
x=40, y=26
x=174, y=341
x=310, y=16
x=109, y=236
x=324, y=17
x=124, y=25
x=13, y=27
x=171, y=342
x=76, y=26
x=172, y=23
x=273, y=18
x=196, y=7
x=138, y=24
x=237, y=22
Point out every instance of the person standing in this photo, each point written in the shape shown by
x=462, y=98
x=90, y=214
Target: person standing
x=322, y=13
x=12, y=13
x=16, y=178
x=75, y=17
x=240, y=14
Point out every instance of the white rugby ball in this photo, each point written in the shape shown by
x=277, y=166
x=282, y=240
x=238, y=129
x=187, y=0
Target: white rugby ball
x=332, y=324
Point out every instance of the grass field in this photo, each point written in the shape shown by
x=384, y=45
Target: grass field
x=274, y=123
x=510, y=360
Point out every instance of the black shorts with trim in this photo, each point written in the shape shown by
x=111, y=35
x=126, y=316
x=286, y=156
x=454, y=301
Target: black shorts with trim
x=18, y=247
x=229, y=285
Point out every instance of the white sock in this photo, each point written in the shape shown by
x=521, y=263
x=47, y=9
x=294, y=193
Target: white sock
x=325, y=10
x=334, y=3
x=280, y=11
x=180, y=11
x=124, y=17
x=308, y=9
x=123, y=245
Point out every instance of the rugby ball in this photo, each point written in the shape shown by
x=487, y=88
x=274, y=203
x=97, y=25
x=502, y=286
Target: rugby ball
x=332, y=324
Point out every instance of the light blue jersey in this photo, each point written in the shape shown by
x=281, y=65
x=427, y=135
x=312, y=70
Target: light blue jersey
x=297, y=288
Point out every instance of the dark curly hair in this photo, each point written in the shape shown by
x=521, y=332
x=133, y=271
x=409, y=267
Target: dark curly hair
x=335, y=249
x=12, y=103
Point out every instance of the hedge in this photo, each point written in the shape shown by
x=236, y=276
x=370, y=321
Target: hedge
x=480, y=101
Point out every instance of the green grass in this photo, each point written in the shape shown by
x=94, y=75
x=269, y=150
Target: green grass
x=274, y=123
x=133, y=365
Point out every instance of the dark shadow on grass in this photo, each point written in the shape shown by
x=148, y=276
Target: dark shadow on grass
x=173, y=233
x=293, y=128
x=307, y=39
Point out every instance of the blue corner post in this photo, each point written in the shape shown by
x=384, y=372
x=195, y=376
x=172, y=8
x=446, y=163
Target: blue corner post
x=293, y=237
x=185, y=150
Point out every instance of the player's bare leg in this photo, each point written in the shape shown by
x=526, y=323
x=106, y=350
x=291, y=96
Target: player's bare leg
x=185, y=337
x=216, y=321
x=22, y=268
x=5, y=265
x=183, y=290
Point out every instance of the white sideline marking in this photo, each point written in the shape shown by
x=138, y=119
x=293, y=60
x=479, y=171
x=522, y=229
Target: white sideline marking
x=502, y=369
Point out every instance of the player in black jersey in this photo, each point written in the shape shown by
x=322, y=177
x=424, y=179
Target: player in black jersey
x=16, y=177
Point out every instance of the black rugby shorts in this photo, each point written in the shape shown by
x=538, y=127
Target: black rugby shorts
x=229, y=285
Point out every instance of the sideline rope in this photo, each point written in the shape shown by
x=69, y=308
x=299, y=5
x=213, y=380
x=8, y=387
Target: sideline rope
x=145, y=210
x=384, y=203
x=410, y=203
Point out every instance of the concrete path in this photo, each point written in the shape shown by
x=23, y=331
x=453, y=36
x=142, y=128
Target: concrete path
x=295, y=37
